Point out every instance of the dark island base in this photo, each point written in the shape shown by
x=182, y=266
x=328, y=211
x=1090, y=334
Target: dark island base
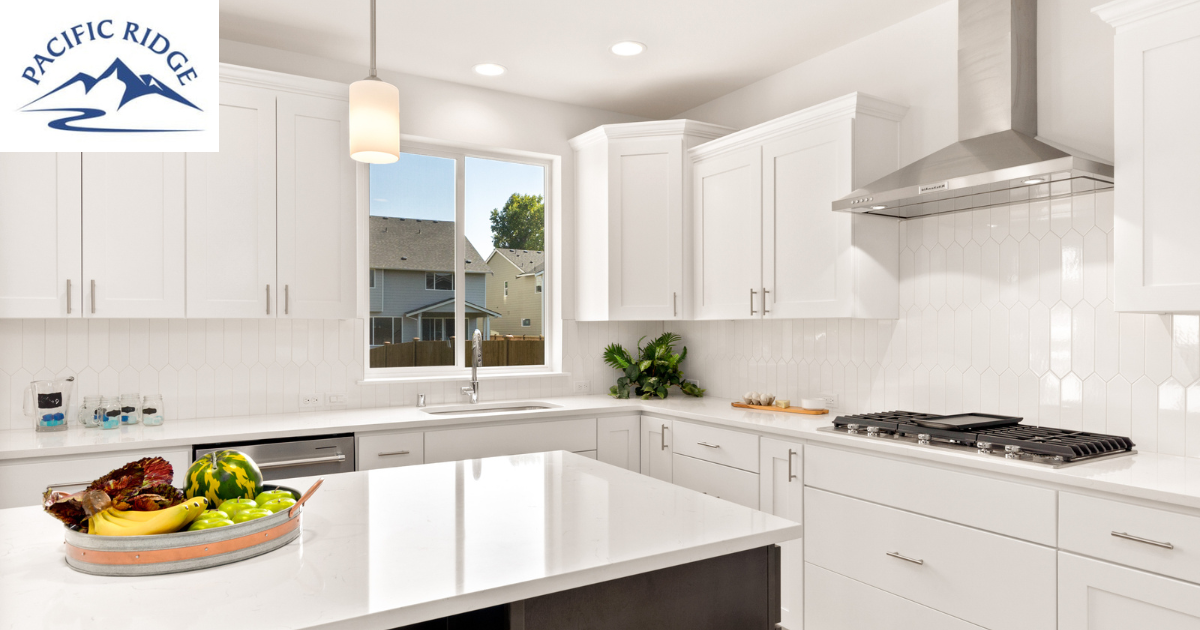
x=739, y=591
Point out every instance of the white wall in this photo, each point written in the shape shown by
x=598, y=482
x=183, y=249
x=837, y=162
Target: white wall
x=914, y=63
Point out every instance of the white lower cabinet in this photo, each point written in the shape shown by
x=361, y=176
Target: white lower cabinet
x=452, y=445
x=836, y=602
x=994, y=581
x=781, y=492
x=1095, y=595
x=654, y=444
x=723, y=482
x=617, y=441
x=22, y=483
x=389, y=450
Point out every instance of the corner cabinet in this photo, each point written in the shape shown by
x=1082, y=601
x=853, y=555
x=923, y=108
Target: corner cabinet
x=1157, y=54
x=632, y=186
x=766, y=242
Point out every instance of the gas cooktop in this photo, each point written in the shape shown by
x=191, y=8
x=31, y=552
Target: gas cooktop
x=987, y=435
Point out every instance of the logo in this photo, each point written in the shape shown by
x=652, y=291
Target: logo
x=110, y=75
x=929, y=188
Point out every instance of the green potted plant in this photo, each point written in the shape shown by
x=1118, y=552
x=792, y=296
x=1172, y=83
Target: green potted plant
x=656, y=368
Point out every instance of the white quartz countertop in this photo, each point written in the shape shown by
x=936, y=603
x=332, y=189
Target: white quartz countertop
x=1153, y=476
x=396, y=546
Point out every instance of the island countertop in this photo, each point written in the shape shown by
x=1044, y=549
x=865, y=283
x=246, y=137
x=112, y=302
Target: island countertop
x=390, y=547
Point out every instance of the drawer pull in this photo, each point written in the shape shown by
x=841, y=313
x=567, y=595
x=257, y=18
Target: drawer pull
x=67, y=485
x=905, y=558
x=790, y=475
x=709, y=445
x=662, y=437
x=303, y=462
x=393, y=453
x=1164, y=545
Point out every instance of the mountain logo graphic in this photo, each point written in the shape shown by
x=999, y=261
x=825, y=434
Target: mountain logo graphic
x=135, y=87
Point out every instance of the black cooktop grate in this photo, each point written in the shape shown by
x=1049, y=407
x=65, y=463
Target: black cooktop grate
x=1069, y=445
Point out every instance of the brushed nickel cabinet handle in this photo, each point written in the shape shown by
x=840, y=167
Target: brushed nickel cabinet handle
x=286, y=299
x=752, y=294
x=765, y=292
x=709, y=445
x=790, y=475
x=393, y=453
x=268, y=299
x=67, y=485
x=674, y=304
x=663, y=438
x=303, y=462
x=68, y=296
x=1164, y=545
x=905, y=558
x=93, y=296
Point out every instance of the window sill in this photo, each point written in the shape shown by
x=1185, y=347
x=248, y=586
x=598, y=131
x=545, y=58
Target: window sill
x=457, y=376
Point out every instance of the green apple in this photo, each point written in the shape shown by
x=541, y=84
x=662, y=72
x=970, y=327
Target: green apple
x=278, y=505
x=250, y=514
x=263, y=497
x=232, y=506
x=212, y=514
x=209, y=523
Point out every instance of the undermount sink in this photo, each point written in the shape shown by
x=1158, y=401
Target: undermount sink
x=498, y=407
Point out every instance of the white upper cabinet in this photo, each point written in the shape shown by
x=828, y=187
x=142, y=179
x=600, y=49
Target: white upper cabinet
x=133, y=234
x=231, y=212
x=767, y=242
x=632, y=188
x=40, y=232
x=316, y=206
x=1157, y=84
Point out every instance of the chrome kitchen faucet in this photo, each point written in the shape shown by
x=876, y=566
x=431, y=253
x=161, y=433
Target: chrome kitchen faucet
x=476, y=361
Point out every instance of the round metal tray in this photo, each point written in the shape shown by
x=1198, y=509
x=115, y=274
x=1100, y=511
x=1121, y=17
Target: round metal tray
x=185, y=551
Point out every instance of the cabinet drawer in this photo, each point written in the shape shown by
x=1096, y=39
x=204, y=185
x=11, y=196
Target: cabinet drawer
x=1095, y=595
x=1003, y=507
x=1090, y=526
x=720, y=481
x=510, y=439
x=22, y=484
x=720, y=446
x=836, y=602
x=970, y=574
x=390, y=450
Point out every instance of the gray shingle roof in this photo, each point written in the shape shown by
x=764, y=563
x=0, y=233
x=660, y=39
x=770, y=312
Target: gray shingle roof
x=418, y=245
x=527, y=260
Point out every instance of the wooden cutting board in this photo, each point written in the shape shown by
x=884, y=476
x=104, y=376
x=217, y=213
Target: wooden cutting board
x=808, y=412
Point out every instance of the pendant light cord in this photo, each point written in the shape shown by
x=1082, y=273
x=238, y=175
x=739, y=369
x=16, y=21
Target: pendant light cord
x=372, y=76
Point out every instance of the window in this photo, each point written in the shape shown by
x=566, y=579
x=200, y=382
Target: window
x=461, y=236
x=439, y=281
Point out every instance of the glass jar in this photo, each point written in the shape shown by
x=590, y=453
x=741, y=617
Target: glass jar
x=110, y=410
x=152, y=410
x=131, y=408
x=90, y=413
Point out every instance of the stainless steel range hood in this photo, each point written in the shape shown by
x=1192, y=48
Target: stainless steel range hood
x=998, y=159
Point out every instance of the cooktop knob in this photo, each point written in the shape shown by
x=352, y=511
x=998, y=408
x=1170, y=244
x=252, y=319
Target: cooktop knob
x=985, y=448
x=1012, y=452
x=853, y=428
x=923, y=439
x=872, y=431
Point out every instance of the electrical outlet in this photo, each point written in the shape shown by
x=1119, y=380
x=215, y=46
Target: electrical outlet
x=830, y=401
x=583, y=387
x=693, y=381
x=311, y=401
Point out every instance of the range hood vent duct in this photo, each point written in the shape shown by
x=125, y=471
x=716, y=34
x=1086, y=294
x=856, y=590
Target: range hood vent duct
x=998, y=159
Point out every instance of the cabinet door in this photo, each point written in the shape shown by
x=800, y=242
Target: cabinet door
x=727, y=203
x=836, y=602
x=133, y=234
x=655, y=446
x=645, y=249
x=40, y=235
x=316, y=188
x=1157, y=262
x=807, y=255
x=617, y=441
x=231, y=212
x=781, y=492
x=1095, y=595
x=723, y=482
x=22, y=483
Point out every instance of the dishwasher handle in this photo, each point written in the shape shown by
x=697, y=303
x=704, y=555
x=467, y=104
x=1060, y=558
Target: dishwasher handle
x=328, y=459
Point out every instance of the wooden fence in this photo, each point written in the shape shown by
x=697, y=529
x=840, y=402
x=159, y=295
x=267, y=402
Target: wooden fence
x=497, y=351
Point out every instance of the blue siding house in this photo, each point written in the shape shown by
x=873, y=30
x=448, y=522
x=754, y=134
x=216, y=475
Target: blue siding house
x=412, y=282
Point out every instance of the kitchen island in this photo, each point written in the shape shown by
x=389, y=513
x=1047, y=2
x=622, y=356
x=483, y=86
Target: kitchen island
x=550, y=534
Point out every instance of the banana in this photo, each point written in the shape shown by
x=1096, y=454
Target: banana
x=111, y=522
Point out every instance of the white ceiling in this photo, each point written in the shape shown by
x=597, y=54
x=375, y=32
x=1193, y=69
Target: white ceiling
x=697, y=50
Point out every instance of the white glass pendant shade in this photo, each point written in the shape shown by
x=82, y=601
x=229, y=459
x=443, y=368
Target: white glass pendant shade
x=374, y=121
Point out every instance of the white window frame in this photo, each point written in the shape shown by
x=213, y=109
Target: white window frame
x=552, y=318
x=435, y=274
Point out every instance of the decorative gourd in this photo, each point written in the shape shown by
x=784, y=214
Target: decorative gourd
x=223, y=475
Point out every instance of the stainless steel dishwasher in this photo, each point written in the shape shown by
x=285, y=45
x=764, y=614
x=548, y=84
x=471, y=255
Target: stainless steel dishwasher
x=281, y=459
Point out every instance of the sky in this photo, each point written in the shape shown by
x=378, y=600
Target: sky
x=422, y=187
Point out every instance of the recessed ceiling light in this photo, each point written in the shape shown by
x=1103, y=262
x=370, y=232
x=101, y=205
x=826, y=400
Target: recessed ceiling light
x=490, y=69
x=628, y=49
x=879, y=207
x=1035, y=180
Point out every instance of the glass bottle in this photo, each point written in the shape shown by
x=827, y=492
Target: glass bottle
x=152, y=410
x=90, y=412
x=131, y=405
x=110, y=408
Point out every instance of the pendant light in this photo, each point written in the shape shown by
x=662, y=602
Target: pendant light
x=374, y=115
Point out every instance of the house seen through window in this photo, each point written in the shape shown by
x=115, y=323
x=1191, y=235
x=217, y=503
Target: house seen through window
x=417, y=250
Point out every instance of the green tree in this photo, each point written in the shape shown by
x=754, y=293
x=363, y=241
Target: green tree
x=520, y=224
